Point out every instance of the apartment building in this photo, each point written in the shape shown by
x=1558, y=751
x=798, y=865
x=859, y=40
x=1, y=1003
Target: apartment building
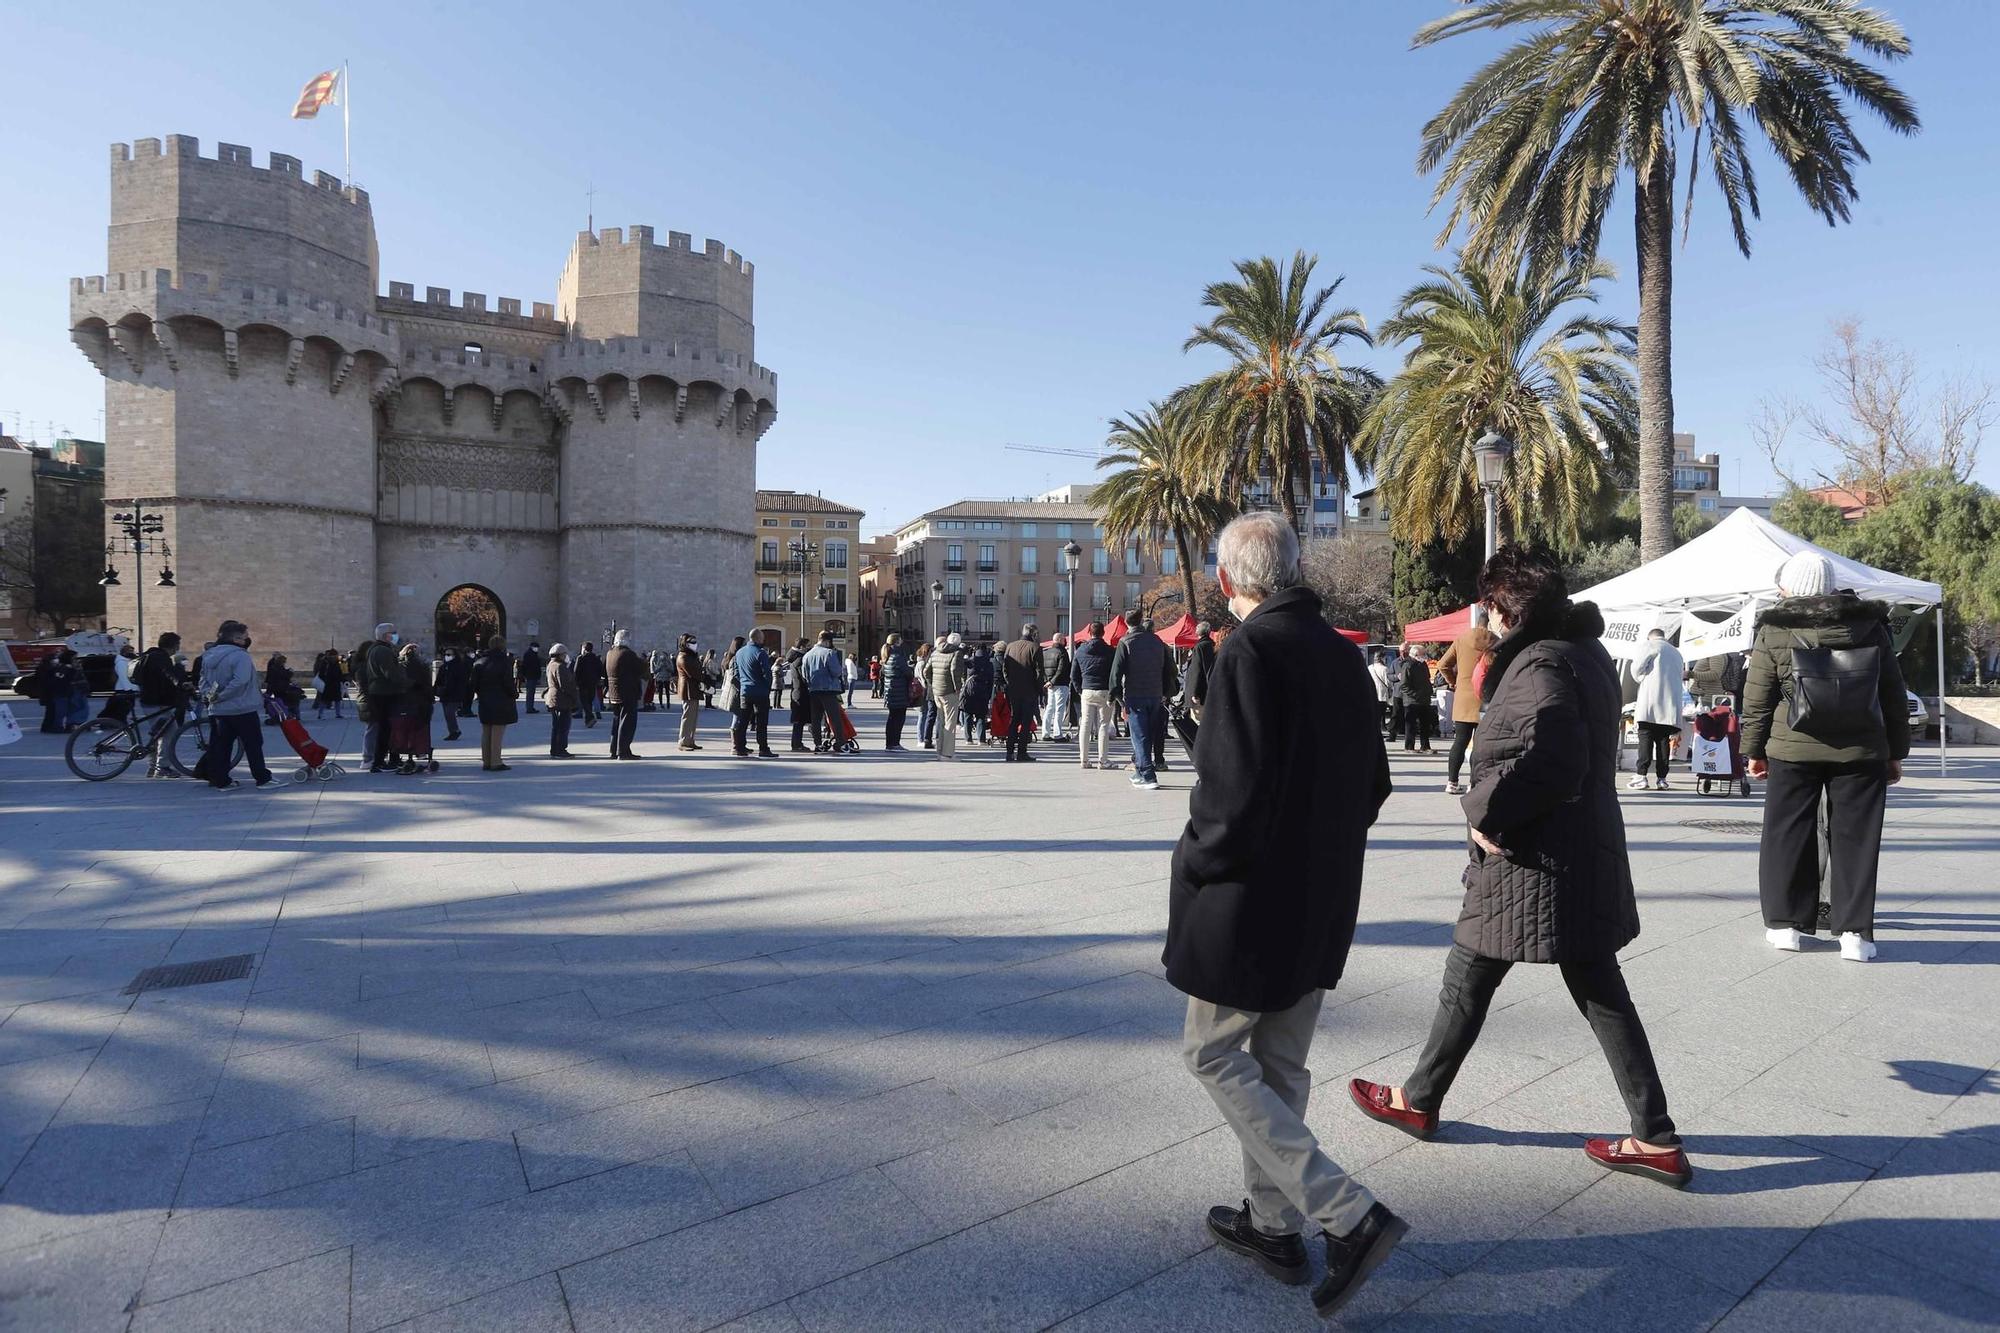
x=877, y=583
x=985, y=567
x=807, y=570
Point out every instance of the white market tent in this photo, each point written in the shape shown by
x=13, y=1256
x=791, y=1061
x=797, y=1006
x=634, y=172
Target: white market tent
x=1734, y=565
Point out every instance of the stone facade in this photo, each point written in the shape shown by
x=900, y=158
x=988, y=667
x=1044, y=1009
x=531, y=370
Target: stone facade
x=327, y=457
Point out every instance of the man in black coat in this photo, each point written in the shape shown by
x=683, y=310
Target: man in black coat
x=589, y=682
x=1266, y=888
x=625, y=690
x=532, y=666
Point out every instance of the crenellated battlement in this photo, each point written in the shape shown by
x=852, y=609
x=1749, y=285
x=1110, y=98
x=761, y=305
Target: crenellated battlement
x=592, y=357
x=154, y=285
x=184, y=149
x=438, y=300
x=640, y=237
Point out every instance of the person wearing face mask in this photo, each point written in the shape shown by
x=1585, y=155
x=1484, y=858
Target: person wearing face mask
x=229, y=684
x=559, y=696
x=453, y=674
x=689, y=673
x=1549, y=879
x=379, y=680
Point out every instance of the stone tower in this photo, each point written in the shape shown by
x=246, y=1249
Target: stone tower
x=327, y=457
x=663, y=406
x=235, y=331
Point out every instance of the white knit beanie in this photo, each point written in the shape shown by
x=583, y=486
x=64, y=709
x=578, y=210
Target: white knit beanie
x=1806, y=574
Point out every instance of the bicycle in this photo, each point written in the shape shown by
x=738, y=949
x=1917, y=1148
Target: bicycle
x=105, y=747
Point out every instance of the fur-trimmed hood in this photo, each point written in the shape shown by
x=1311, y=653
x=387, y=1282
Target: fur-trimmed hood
x=1576, y=622
x=1824, y=611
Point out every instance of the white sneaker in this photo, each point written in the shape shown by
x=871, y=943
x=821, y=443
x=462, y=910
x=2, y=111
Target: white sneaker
x=1855, y=949
x=1640, y=783
x=1661, y=785
x=1784, y=937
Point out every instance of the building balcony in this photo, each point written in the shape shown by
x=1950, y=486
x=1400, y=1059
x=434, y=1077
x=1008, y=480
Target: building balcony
x=768, y=605
x=989, y=566
x=988, y=599
x=954, y=599
x=954, y=566
x=777, y=566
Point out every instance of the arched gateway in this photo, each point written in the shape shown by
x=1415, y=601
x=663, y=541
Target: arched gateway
x=467, y=617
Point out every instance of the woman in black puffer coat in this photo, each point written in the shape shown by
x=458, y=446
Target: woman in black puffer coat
x=1549, y=881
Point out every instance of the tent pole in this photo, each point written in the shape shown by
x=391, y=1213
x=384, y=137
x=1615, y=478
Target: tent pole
x=1942, y=743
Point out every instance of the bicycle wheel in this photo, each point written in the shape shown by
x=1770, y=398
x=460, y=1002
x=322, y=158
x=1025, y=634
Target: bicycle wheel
x=189, y=742
x=101, y=750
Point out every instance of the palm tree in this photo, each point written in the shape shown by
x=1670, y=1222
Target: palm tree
x=1534, y=143
x=1163, y=493
x=1503, y=350
x=1284, y=400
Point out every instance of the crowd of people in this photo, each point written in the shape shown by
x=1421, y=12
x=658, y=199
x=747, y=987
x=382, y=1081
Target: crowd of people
x=1287, y=725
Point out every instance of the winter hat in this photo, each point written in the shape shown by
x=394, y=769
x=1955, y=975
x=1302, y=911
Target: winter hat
x=1806, y=574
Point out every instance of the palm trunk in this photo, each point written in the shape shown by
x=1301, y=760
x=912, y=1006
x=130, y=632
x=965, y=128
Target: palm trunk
x=1285, y=485
x=1654, y=225
x=1187, y=574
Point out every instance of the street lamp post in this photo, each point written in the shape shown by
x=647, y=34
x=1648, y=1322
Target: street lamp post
x=803, y=554
x=1490, y=453
x=1070, y=552
x=140, y=534
x=937, y=609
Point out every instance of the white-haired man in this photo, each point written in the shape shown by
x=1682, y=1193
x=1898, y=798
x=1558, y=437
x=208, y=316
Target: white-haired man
x=1266, y=888
x=1056, y=669
x=625, y=690
x=944, y=679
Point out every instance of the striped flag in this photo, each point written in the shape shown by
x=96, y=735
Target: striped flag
x=321, y=90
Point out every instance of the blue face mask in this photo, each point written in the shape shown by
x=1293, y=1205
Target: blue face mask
x=395, y=637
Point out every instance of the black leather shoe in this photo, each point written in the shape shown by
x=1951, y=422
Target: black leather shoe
x=1283, y=1257
x=1351, y=1258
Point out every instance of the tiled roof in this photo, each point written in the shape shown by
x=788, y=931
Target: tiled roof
x=797, y=502
x=1029, y=509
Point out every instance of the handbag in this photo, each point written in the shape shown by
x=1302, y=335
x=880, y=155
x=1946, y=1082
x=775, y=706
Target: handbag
x=1835, y=691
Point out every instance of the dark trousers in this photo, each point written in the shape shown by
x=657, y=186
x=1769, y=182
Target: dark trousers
x=1148, y=719
x=1020, y=722
x=558, y=730
x=1396, y=711
x=450, y=708
x=1461, y=737
x=893, y=738
x=1654, y=746
x=751, y=713
x=624, y=726
x=1598, y=988
x=380, y=759
x=927, y=723
x=802, y=714
x=1417, y=726
x=1788, y=860
x=826, y=716
x=223, y=736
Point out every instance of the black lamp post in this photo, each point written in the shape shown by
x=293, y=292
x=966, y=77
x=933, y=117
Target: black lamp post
x=1071, y=551
x=937, y=608
x=139, y=534
x=803, y=555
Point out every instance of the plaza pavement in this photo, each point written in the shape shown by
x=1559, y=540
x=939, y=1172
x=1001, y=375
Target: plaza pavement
x=879, y=1043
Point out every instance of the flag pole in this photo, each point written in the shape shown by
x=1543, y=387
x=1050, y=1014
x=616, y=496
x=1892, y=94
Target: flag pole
x=346, y=142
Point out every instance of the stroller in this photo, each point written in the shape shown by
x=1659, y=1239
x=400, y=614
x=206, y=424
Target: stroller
x=1718, y=751
x=317, y=764
x=1182, y=717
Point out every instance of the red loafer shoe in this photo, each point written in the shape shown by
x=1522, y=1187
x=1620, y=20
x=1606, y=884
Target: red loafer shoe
x=1669, y=1168
x=1373, y=1099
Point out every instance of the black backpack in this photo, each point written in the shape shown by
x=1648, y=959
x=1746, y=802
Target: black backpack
x=1835, y=691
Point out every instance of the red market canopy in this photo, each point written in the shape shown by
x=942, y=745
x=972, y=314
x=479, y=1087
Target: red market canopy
x=1180, y=634
x=1356, y=637
x=1439, y=629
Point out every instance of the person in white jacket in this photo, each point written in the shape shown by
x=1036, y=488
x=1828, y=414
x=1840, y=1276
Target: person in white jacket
x=1657, y=710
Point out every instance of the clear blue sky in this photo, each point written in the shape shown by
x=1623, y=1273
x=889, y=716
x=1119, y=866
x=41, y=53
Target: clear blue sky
x=972, y=224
